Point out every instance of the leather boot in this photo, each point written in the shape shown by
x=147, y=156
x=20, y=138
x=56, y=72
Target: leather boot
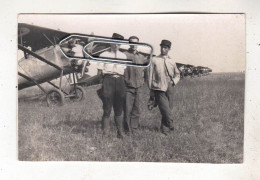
x=120, y=127
x=105, y=125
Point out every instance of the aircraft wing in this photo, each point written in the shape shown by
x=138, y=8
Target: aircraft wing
x=37, y=37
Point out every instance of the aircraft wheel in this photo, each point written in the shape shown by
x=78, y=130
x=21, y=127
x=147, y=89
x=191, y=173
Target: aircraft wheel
x=80, y=94
x=55, y=97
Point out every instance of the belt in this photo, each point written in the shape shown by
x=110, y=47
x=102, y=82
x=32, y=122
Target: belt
x=113, y=75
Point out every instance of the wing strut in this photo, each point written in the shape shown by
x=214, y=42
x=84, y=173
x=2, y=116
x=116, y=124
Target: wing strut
x=48, y=39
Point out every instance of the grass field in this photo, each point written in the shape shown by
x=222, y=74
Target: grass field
x=208, y=118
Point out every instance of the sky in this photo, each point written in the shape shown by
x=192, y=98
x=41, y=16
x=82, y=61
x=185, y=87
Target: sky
x=216, y=41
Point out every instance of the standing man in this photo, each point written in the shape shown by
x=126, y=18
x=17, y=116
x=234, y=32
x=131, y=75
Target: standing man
x=113, y=87
x=163, y=76
x=134, y=80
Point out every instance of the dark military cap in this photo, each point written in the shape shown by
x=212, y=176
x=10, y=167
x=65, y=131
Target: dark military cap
x=166, y=43
x=117, y=36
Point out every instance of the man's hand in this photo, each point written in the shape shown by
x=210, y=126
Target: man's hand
x=151, y=102
x=172, y=83
x=100, y=79
x=152, y=95
x=100, y=74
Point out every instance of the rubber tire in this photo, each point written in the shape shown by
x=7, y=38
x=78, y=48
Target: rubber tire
x=82, y=92
x=60, y=98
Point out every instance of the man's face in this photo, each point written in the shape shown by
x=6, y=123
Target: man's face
x=115, y=47
x=133, y=40
x=164, y=50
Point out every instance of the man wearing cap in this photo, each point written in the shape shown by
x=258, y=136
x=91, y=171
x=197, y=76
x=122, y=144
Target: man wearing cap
x=134, y=80
x=163, y=76
x=113, y=87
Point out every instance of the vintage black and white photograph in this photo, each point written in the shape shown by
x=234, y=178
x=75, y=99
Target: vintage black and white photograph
x=131, y=87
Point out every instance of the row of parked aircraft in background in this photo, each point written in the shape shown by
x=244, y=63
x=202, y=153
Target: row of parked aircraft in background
x=44, y=61
x=188, y=70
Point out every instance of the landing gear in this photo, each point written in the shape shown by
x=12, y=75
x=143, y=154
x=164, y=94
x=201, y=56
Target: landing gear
x=55, y=97
x=77, y=94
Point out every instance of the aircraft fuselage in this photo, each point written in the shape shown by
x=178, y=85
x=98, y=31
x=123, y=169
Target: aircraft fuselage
x=40, y=71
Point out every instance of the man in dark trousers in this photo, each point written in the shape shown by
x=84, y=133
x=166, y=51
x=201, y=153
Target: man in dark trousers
x=163, y=76
x=113, y=87
x=134, y=80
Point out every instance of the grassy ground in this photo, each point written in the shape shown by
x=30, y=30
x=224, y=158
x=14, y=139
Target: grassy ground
x=209, y=113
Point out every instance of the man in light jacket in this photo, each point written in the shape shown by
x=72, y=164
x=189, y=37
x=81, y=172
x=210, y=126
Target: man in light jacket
x=163, y=76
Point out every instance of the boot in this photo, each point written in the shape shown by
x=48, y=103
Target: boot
x=120, y=127
x=165, y=130
x=105, y=125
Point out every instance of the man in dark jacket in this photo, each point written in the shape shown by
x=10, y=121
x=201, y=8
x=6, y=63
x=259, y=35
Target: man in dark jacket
x=134, y=80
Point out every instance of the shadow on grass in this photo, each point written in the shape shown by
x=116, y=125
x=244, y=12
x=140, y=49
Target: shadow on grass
x=76, y=127
x=83, y=126
x=33, y=98
x=149, y=128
